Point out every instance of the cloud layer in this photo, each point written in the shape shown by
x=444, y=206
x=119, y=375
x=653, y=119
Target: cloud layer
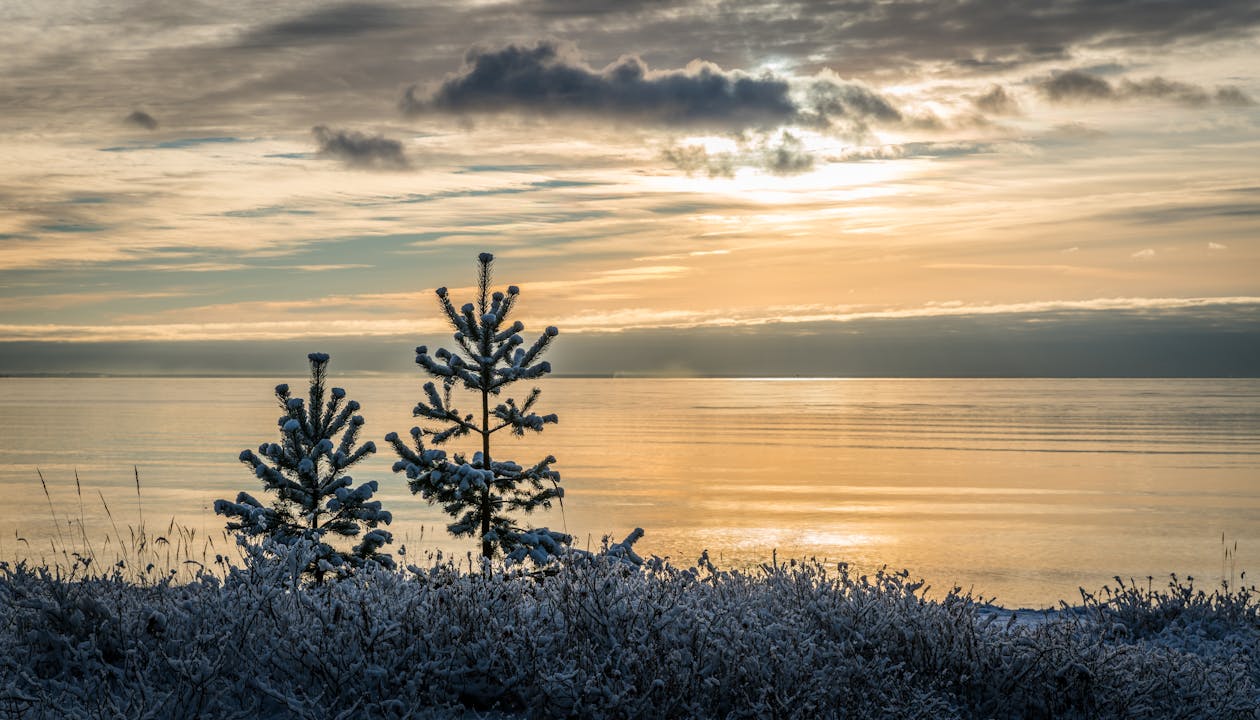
x=1079, y=86
x=792, y=159
x=359, y=150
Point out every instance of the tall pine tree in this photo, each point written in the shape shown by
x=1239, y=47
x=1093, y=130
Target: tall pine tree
x=315, y=499
x=481, y=493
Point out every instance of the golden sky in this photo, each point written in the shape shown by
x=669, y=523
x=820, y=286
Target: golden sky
x=219, y=175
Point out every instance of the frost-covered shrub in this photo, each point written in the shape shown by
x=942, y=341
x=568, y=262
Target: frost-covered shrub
x=598, y=637
x=481, y=493
x=314, y=498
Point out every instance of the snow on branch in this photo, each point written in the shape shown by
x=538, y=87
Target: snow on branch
x=315, y=501
x=489, y=354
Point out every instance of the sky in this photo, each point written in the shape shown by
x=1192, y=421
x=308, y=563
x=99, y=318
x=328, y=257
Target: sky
x=1059, y=187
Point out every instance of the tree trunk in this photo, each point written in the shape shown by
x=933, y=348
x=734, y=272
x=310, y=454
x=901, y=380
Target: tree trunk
x=487, y=550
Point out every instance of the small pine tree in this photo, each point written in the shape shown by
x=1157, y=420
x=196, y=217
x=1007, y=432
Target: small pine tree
x=480, y=494
x=306, y=471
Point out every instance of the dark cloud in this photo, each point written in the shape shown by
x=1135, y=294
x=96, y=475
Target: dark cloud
x=997, y=35
x=328, y=23
x=852, y=106
x=778, y=154
x=870, y=38
x=551, y=78
x=1076, y=85
x=787, y=156
x=1161, y=88
x=142, y=119
x=359, y=150
x=829, y=99
x=1230, y=95
x=1080, y=86
x=262, y=66
x=916, y=150
x=596, y=8
x=693, y=159
x=997, y=101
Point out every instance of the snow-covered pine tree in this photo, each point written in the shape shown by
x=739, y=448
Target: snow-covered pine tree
x=306, y=470
x=481, y=493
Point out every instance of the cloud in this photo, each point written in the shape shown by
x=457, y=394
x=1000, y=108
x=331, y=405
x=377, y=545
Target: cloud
x=186, y=332
x=258, y=68
x=1143, y=254
x=997, y=101
x=552, y=78
x=1170, y=213
x=359, y=150
x=693, y=159
x=918, y=150
x=1074, y=131
x=830, y=100
x=1079, y=86
x=596, y=8
x=327, y=23
x=178, y=144
x=1075, y=85
x=1230, y=95
x=142, y=119
x=788, y=156
x=778, y=154
x=1081, y=270
x=1217, y=246
x=889, y=38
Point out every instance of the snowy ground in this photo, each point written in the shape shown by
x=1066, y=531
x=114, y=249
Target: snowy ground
x=600, y=638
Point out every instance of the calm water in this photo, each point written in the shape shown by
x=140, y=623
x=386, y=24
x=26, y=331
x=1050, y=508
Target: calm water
x=1022, y=489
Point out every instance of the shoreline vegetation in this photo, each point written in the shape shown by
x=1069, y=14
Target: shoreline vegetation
x=169, y=624
x=605, y=635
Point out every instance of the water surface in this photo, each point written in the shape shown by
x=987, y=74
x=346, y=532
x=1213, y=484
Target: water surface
x=1022, y=489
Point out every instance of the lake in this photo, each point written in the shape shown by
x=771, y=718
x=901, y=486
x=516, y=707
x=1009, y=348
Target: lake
x=1022, y=489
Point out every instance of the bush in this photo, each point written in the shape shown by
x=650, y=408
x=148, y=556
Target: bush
x=600, y=638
